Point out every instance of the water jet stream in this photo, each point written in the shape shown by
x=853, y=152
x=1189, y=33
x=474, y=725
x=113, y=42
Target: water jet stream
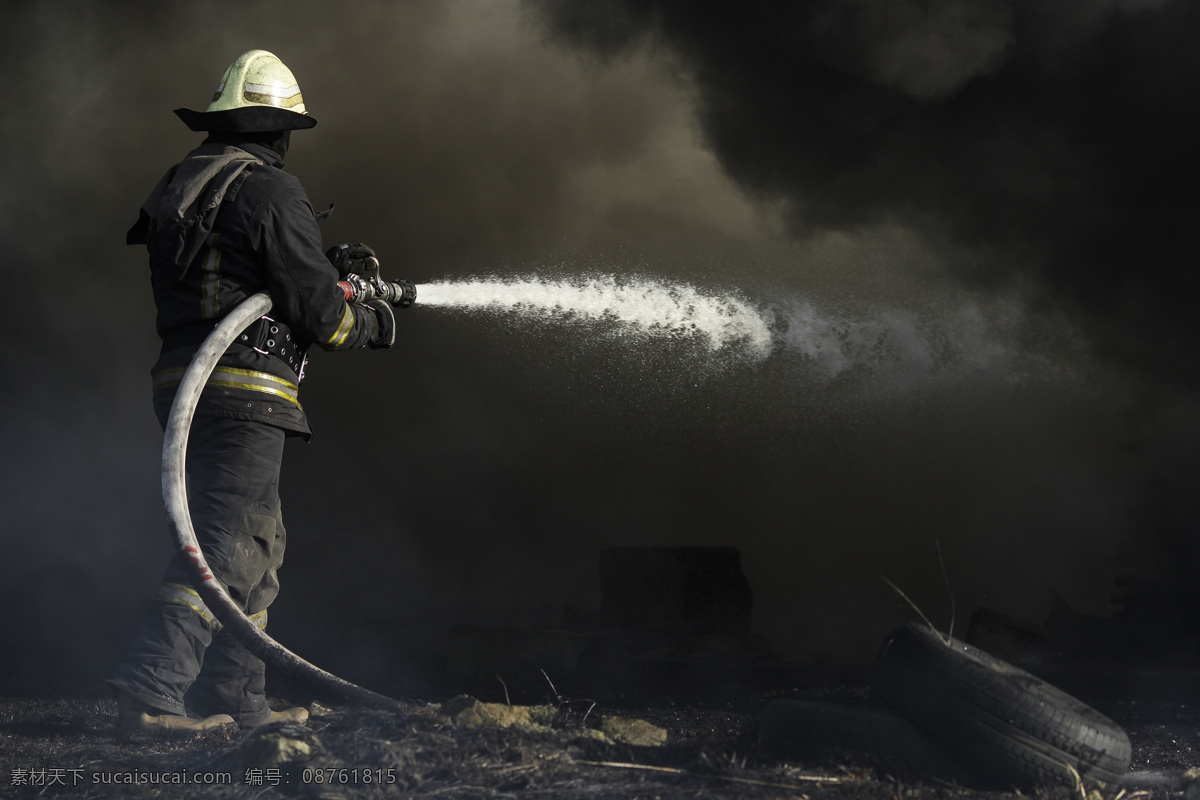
x=897, y=346
x=638, y=306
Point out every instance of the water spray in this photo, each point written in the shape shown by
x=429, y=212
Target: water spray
x=898, y=349
x=639, y=307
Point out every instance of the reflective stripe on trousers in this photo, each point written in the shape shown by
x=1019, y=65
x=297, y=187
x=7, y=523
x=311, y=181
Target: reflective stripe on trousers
x=187, y=596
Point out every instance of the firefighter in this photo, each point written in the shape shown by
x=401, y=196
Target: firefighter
x=224, y=224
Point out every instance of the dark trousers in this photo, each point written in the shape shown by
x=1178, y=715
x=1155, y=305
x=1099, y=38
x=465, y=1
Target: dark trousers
x=182, y=657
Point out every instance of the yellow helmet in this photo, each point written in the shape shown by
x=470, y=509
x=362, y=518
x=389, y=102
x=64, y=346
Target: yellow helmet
x=257, y=94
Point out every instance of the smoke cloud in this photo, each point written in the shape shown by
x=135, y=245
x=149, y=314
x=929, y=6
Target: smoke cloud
x=966, y=223
x=1053, y=142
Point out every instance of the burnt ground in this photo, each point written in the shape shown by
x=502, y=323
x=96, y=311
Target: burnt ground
x=60, y=742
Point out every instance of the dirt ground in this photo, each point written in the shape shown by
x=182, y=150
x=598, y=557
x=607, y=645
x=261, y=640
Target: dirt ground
x=61, y=742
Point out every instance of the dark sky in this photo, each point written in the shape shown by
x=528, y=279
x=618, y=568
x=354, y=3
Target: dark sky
x=972, y=221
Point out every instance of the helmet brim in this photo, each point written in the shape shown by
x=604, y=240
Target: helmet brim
x=251, y=119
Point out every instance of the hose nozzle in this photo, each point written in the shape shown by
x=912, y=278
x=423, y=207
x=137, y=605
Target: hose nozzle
x=401, y=294
x=358, y=289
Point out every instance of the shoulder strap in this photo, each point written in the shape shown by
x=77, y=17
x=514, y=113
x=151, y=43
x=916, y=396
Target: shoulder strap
x=183, y=207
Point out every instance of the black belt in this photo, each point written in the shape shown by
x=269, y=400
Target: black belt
x=272, y=337
x=265, y=335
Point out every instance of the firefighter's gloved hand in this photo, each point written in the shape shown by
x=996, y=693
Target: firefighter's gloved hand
x=353, y=258
x=385, y=319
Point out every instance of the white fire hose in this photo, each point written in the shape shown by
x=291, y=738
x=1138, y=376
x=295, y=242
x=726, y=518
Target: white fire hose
x=175, y=498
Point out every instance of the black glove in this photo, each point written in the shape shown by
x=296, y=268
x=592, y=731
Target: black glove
x=385, y=319
x=356, y=258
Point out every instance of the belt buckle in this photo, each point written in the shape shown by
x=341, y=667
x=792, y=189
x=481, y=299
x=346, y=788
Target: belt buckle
x=261, y=334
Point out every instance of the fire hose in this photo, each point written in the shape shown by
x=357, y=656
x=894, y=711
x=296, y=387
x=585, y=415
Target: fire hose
x=175, y=497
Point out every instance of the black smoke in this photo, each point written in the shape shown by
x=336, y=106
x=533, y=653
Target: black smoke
x=1055, y=141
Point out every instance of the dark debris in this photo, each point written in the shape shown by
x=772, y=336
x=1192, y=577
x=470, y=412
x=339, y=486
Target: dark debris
x=64, y=745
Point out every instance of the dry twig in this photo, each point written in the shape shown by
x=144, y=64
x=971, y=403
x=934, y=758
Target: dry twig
x=946, y=579
x=564, y=702
x=915, y=608
x=730, y=778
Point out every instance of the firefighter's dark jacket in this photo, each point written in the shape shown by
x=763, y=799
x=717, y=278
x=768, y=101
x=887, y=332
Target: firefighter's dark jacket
x=226, y=223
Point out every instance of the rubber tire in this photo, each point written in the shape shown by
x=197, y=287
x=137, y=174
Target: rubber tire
x=1006, y=723
x=838, y=735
